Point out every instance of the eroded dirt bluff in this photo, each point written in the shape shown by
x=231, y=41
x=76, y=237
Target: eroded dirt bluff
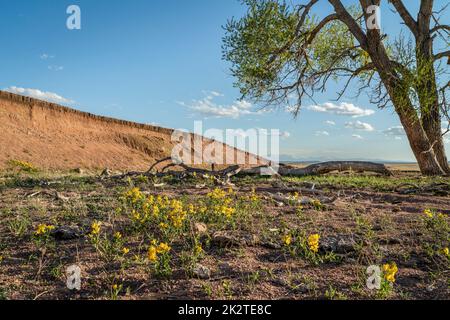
x=55, y=137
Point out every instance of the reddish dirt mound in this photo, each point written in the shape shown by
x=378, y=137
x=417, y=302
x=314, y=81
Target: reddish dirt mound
x=55, y=137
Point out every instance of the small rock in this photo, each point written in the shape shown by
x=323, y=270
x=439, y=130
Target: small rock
x=202, y=272
x=271, y=245
x=338, y=244
x=280, y=204
x=225, y=267
x=390, y=241
x=200, y=228
x=66, y=233
x=224, y=239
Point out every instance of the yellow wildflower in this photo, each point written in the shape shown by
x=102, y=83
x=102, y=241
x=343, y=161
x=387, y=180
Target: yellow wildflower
x=191, y=209
x=152, y=254
x=125, y=250
x=163, y=226
x=95, y=228
x=118, y=235
x=390, y=270
x=134, y=195
x=163, y=248
x=428, y=213
x=217, y=194
x=198, y=249
x=287, y=240
x=313, y=242
x=446, y=251
x=115, y=286
x=43, y=229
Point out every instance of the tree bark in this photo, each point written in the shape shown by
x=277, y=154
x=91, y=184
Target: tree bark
x=418, y=139
x=324, y=168
x=427, y=87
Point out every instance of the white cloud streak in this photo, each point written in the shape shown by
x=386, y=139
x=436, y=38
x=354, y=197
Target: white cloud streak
x=322, y=133
x=361, y=126
x=396, y=131
x=209, y=108
x=343, y=109
x=38, y=94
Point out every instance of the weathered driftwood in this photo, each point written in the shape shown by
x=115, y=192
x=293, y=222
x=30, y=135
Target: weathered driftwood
x=223, y=176
x=325, y=167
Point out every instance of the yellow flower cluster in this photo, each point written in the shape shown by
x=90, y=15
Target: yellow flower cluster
x=217, y=194
x=446, y=252
x=176, y=213
x=156, y=249
x=390, y=270
x=43, y=229
x=134, y=195
x=313, y=242
x=287, y=240
x=95, y=228
x=222, y=203
x=159, y=210
x=430, y=214
x=253, y=196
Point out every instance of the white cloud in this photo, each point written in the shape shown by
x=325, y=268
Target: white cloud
x=395, y=132
x=343, y=109
x=330, y=123
x=358, y=125
x=46, y=56
x=38, y=94
x=322, y=133
x=357, y=136
x=55, y=68
x=216, y=94
x=208, y=107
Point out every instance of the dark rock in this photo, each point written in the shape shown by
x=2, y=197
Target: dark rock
x=66, y=233
x=339, y=244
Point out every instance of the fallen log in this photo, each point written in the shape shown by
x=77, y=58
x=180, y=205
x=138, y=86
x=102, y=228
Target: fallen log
x=223, y=176
x=323, y=168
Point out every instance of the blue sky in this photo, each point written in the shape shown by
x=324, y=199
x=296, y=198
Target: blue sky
x=160, y=61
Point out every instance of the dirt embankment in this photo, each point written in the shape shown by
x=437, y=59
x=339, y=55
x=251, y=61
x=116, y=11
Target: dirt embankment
x=55, y=137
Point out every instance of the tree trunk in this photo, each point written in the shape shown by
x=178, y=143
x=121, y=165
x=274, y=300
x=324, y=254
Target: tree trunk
x=420, y=144
x=428, y=96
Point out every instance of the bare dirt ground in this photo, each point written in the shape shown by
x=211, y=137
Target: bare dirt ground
x=250, y=242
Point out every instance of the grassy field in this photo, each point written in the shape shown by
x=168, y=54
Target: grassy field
x=289, y=238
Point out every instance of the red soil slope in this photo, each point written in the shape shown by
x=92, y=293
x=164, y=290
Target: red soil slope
x=54, y=137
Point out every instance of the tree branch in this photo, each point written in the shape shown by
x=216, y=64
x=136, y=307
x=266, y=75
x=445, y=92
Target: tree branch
x=406, y=16
x=352, y=25
x=442, y=55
